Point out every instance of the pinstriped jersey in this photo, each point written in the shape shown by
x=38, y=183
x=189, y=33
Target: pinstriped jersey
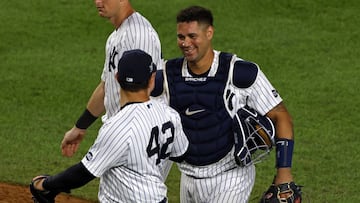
x=135, y=32
x=132, y=151
x=259, y=94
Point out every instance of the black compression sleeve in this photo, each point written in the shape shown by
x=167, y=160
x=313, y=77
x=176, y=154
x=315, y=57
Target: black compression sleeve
x=73, y=177
x=85, y=120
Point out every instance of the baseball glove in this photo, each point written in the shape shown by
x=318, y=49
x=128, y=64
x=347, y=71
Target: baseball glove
x=283, y=193
x=42, y=196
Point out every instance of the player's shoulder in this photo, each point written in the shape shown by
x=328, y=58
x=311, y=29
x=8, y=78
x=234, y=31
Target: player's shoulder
x=168, y=67
x=167, y=110
x=244, y=73
x=174, y=62
x=117, y=118
x=163, y=106
x=113, y=126
x=159, y=81
x=137, y=21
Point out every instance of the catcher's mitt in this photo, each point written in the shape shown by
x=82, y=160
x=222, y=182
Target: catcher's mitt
x=42, y=196
x=283, y=193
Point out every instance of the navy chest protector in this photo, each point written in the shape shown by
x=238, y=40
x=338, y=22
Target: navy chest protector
x=199, y=100
x=200, y=103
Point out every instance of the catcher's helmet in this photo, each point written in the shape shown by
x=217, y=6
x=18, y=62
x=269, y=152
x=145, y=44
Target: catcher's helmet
x=254, y=136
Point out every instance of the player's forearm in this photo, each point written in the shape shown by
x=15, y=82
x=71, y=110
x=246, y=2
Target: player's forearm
x=94, y=108
x=284, y=128
x=284, y=143
x=96, y=102
x=283, y=122
x=73, y=177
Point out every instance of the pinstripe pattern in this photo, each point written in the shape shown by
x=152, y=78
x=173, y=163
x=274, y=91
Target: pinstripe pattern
x=224, y=181
x=232, y=186
x=120, y=158
x=135, y=32
x=261, y=95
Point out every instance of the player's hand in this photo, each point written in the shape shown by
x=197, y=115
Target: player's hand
x=283, y=193
x=39, y=194
x=37, y=182
x=71, y=141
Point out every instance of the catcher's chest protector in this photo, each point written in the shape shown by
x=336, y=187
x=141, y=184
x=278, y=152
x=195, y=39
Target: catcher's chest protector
x=200, y=102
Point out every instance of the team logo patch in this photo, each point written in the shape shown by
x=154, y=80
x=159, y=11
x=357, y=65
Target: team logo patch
x=89, y=156
x=275, y=93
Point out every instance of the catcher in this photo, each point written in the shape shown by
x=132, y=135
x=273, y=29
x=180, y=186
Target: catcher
x=207, y=87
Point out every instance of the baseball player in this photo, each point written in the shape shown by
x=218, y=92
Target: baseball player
x=132, y=31
x=207, y=87
x=133, y=147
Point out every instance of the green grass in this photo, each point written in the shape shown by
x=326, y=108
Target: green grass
x=52, y=53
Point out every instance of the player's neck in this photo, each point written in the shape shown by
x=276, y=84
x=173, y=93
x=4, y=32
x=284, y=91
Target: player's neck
x=133, y=97
x=117, y=20
x=203, y=65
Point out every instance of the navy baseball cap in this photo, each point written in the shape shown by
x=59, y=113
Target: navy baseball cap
x=135, y=67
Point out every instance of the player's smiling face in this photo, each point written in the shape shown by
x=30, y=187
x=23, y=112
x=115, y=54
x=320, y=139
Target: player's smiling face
x=194, y=40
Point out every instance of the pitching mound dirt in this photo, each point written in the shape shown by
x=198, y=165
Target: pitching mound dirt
x=19, y=194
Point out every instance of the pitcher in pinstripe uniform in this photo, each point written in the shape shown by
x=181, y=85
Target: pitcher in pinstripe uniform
x=132, y=31
x=134, y=146
x=207, y=87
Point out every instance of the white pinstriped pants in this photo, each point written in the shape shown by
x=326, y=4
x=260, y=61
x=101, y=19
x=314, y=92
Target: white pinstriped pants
x=231, y=186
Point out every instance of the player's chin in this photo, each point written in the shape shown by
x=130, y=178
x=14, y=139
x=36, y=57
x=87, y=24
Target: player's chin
x=189, y=56
x=101, y=12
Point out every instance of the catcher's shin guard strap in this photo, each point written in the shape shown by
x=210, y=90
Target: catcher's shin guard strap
x=284, y=151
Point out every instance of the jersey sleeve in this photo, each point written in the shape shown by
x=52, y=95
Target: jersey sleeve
x=108, y=46
x=143, y=36
x=109, y=150
x=248, y=85
x=263, y=96
x=181, y=142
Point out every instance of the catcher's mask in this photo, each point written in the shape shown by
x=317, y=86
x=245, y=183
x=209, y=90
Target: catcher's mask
x=254, y=136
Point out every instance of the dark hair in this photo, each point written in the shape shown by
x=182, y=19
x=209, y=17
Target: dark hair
x=134, y=87
x=195, y=13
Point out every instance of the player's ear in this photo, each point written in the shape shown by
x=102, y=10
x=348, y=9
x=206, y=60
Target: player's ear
x=117, y=76
x=210, y=32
